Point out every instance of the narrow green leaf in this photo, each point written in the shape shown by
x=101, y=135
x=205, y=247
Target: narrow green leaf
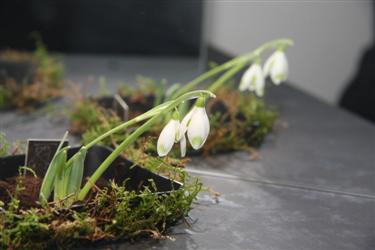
x=172, y=89
x=76, y=173
x=59, y=192
x=49, y=178
x=68, y=169
x=159, y=92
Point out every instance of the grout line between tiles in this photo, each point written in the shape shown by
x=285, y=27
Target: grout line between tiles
x=280, y=184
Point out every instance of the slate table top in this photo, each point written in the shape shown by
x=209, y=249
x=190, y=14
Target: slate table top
x=312, y=188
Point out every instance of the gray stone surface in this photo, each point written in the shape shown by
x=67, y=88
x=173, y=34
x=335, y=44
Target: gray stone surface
x=259, y=217
x=313, y=188
x=320, y=147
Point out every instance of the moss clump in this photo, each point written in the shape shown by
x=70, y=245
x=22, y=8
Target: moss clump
x=7, y=148
x=149, y=92
x=238, y=121
x=46, y=80
x=87, y=114
x=110, y=213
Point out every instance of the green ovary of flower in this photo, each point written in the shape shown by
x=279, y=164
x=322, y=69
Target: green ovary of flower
x=197, y=141
x=162, y=149
x=280, y=77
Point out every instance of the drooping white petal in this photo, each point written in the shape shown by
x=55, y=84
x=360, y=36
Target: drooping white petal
x=177, y=136
x=259, y=89
x=279, y=71
x=245, y=80
x=268, y=65
x=167, y=138
x=198, y=128
x=183, y=145
x=185, y=121
x=257, y=81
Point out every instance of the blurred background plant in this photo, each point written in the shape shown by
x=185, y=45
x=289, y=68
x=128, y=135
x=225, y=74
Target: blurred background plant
x=239, y=121
x=42, y=82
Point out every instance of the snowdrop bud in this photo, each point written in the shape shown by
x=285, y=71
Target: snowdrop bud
x=167, y=137
x=277, y=67
x=199, y=126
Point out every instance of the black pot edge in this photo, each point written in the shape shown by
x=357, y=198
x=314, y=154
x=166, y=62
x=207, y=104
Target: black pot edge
x=136, y=170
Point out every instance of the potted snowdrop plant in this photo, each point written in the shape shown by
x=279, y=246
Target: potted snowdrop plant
x=240, y=118
x=92, y=193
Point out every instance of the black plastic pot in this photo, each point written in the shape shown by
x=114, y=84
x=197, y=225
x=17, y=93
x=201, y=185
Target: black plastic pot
x=137, y=178
x=21, y=72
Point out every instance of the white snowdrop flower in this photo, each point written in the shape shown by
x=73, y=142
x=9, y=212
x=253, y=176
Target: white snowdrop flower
x=168, y=136
x=198, y=128
x=185, y=121
x=183, y=128
x=245, y=80
x=195, y=124
x=253, y=80
x=276, y=67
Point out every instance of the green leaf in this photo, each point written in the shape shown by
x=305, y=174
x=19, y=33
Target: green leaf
x=59, y=192
x=172, y=89
x=76, y=172
x=49, y=178
x=159, y=92
x=66, y=177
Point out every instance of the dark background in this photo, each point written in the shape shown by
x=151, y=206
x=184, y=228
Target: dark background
x=157, y=27
x=154, y=27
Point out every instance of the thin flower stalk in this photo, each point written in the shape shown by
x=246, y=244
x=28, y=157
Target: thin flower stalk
x=238, y=63
x=137, y=133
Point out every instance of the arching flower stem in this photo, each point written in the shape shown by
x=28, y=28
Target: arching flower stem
x=156, y=114
x=242, y=59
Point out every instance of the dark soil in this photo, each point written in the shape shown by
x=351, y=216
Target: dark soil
x=30, y=188
x=29, y=193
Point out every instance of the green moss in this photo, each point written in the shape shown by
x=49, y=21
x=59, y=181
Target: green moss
x=46, y=82
x=112, y=213
x=4, y=145
x=238, y=121
x=88, y=115
x=243, y=121
x=5, y=96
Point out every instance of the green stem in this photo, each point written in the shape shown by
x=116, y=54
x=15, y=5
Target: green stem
x=279, y=43
x=131, y=138
x=226, y=76
x=129, y=123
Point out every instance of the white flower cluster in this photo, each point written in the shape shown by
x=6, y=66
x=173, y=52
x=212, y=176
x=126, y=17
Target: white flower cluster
x=195, y=123
x=276, y=67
